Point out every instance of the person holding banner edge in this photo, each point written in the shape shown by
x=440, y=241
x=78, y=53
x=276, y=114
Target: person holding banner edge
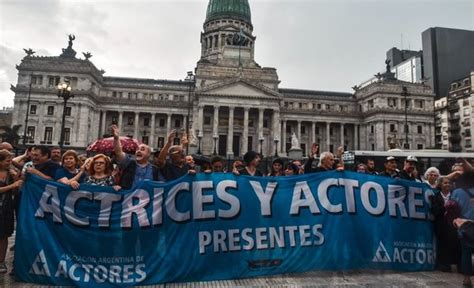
x=7, y=186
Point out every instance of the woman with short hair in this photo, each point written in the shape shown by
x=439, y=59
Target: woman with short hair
x=100, y=172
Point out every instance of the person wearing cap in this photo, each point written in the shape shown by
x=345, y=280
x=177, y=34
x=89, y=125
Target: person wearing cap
x=390, y=168
x=252, y=160
x=176, y=167
x=409, y=171
x=277, y=168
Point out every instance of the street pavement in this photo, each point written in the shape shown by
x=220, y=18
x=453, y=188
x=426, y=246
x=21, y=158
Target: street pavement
x=366, y=278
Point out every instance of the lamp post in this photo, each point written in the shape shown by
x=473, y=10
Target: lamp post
x=64, y=91
x=261, y=139
x=27, y=111
x=276, y=140
x=190, y=79
x=199, y=141
x=215, y=136
x=405, y=94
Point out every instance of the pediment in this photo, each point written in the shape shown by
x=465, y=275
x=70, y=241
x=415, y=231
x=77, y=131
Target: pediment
x=241, y=89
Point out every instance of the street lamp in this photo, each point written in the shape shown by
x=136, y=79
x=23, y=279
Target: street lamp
x=261, y=139
x=64, y=91
x=27, y=111
x=276, y=140
x=190, y=79
x=405, y=94
x=199, y=141
x=215, y=136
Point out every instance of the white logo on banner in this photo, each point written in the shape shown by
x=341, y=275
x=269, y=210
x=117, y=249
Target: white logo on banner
x=381, y=255
x=40, y=267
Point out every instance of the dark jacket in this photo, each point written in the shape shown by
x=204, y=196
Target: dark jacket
x=128, y=174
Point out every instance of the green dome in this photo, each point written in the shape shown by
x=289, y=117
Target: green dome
x=237, y=9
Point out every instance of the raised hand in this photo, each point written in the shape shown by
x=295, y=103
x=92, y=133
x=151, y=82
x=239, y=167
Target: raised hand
x=115, y=131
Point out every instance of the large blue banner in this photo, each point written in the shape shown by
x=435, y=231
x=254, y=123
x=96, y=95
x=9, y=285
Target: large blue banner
x=221, y=226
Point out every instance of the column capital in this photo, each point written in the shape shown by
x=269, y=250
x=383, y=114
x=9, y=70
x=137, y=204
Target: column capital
x=246, y=109
x=231, y=108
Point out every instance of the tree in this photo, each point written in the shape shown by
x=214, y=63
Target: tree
x=10, y=134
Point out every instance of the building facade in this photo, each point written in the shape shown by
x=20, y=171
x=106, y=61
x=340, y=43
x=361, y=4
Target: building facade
x=232, y=104
x=454, y=116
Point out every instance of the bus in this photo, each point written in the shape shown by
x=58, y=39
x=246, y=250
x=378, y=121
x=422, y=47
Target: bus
x=441, y=159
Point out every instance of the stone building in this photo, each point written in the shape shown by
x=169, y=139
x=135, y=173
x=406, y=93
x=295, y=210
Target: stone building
x=233, y=103
x=454, y=116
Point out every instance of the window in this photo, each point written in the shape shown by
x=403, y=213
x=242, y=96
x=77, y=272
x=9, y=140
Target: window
x=265, y=123
x=177, y=123
x=114, y=94
x=303, y=130
x=318, y=106
x=407, y=129
x=328, y=107
x=419, y=146
x=68, y=111
x=468, y=143
x=392, y=102
x=419, y=104
x=207, y=120
x=392, y=127
x=419, y=129
x=146, y=122
x=467, y=111
x=331, y=132
x=161, y=142
x=67, y=135
x=162, y=124
x=288, y=129
x=36, y=80
x=317, y=130
x=467, y=133
x=33, y=109
x=130, y=121
x=145, y=139
x=250, y=124
x=300, y=105
x=373, y=146
x=371, y=103
x=50, y=110
x=372, y=128
x=114, y=119
x=48, y=134
x=53, y=81
x=130, y=97
x=30, y=134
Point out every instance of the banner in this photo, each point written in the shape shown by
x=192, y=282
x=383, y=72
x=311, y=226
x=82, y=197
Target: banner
x=221, y=226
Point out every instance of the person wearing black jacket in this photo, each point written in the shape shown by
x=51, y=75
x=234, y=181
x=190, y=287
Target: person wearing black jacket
x=134, y=170
x=448, y=248
x=409, y=169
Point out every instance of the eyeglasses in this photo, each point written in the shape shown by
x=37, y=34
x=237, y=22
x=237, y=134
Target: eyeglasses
x=99, y=163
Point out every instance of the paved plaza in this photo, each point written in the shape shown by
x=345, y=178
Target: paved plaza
x=367, y=278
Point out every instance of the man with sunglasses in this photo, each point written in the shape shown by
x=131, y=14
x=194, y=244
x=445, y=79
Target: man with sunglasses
x=134, y=170
x=176, y=166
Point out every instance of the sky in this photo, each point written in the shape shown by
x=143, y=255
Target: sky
x=328, y=45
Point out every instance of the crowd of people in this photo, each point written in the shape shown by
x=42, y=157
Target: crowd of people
x=452, y=204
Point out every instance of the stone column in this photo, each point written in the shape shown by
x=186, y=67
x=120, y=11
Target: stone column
x=137, y=126
x=313, y=135
x=168, y=124
x=215, y=123
x=201, y=119
x=104, y=117
x=245, y=136
x=298, y=132
x=283, y=137
x=342, y=134
x=120, y=121
x=260, y=123
x=276, y=130
x=328, y=136
x=152, y=131
x=230, y=133
x=356, y=137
